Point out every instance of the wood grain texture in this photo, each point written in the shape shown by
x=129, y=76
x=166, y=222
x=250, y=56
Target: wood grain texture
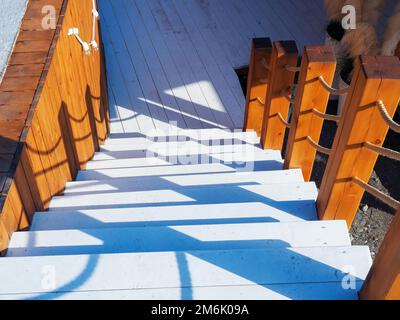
x=375, y=78
x=284, y=53
x=317, y=61
x=257, y=84
x=383, y=280
x=53, y=111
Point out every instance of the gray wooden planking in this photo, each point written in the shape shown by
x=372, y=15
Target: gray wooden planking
x=174, y=60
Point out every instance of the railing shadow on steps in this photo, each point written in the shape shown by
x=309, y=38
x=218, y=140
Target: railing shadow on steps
x=50, y=147
x=371, y=102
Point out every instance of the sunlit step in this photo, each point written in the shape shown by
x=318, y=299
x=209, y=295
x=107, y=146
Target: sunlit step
x=173, y=215
x=287, y=291
x=143, y=159
x=179, y=181
x=280, y=195
x=104, y=174
x=205, y=135
x=192, y=269
x=179, y=238
x=191, y=147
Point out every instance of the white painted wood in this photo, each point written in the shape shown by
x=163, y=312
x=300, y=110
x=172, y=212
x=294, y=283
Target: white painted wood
x=280, y=195
x=298, y=291
x=160, y=146
x=183, y=214
x=212, y=165
x=139, y=158
x=183, y=269
x=166, y=182
x=180, y=238
x=236, y=137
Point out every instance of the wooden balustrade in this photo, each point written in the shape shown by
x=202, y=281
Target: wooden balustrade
x=383, y=280
x=375, y=78
x=277, y=103
x=257, y=84
x=316, y=61
x=53, y=123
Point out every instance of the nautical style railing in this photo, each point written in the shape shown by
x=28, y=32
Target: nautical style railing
x=53, y=110
x=371, y=102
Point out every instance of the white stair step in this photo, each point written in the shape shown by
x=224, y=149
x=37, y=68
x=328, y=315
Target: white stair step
x=103, y=174
x=193, y=269
x=281, y=195
x=174, y=215
x=180, y=238
x=179, y=181
x=190, y=147
x=142, y=159
x=186, y=135
x=296, y=291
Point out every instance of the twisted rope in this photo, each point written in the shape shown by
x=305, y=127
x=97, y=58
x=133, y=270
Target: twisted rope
x=265, y=64
x=292, y=69
x=391, y=202
x=258, y=100
x=386, y=117
x=391, y=154
x=333, y=91
x=281, y=119
x=328, y=117
x=318, y=147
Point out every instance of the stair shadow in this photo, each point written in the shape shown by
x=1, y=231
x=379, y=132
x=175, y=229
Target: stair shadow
x=269, y=270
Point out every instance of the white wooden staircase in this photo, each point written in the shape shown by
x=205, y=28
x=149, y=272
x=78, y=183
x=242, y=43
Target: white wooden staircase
x=141, y=226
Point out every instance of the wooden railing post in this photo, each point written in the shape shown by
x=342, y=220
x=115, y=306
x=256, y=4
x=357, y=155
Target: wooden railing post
x=383, y=280
x=284, y=53
x=257, y=84
x=375, y=78
x=310, y=94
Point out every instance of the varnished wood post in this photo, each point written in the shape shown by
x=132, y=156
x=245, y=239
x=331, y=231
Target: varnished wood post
x=383, y=280
x=284, y=53
x=257, y=84
x=375, y=78
x=317, y=61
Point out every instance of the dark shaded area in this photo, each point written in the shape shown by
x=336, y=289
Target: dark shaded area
x=335, y=30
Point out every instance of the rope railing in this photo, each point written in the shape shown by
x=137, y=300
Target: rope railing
x=292, y=68
x=387, y=118
x=384, y=152
x=330, y=89
x=325, y=116
x=281, y=119
x=318, y=147
x=258, y=100
x=391, y=202
x=265, y=64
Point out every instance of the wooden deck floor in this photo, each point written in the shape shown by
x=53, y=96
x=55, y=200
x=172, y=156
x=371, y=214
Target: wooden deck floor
x=174, y=60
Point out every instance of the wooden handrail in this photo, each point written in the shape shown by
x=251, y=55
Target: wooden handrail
x=284, y=53
x=383, y=280
x=375, y=78
x=317, y=61
x=257, y=88
x=45, y=145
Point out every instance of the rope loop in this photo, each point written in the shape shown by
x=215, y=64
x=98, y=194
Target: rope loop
x=328, y=117
x=386, y=117
x=292, y=68
x=391, y=202
x=384, y=152
x=333, y=91
x=318, y=147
